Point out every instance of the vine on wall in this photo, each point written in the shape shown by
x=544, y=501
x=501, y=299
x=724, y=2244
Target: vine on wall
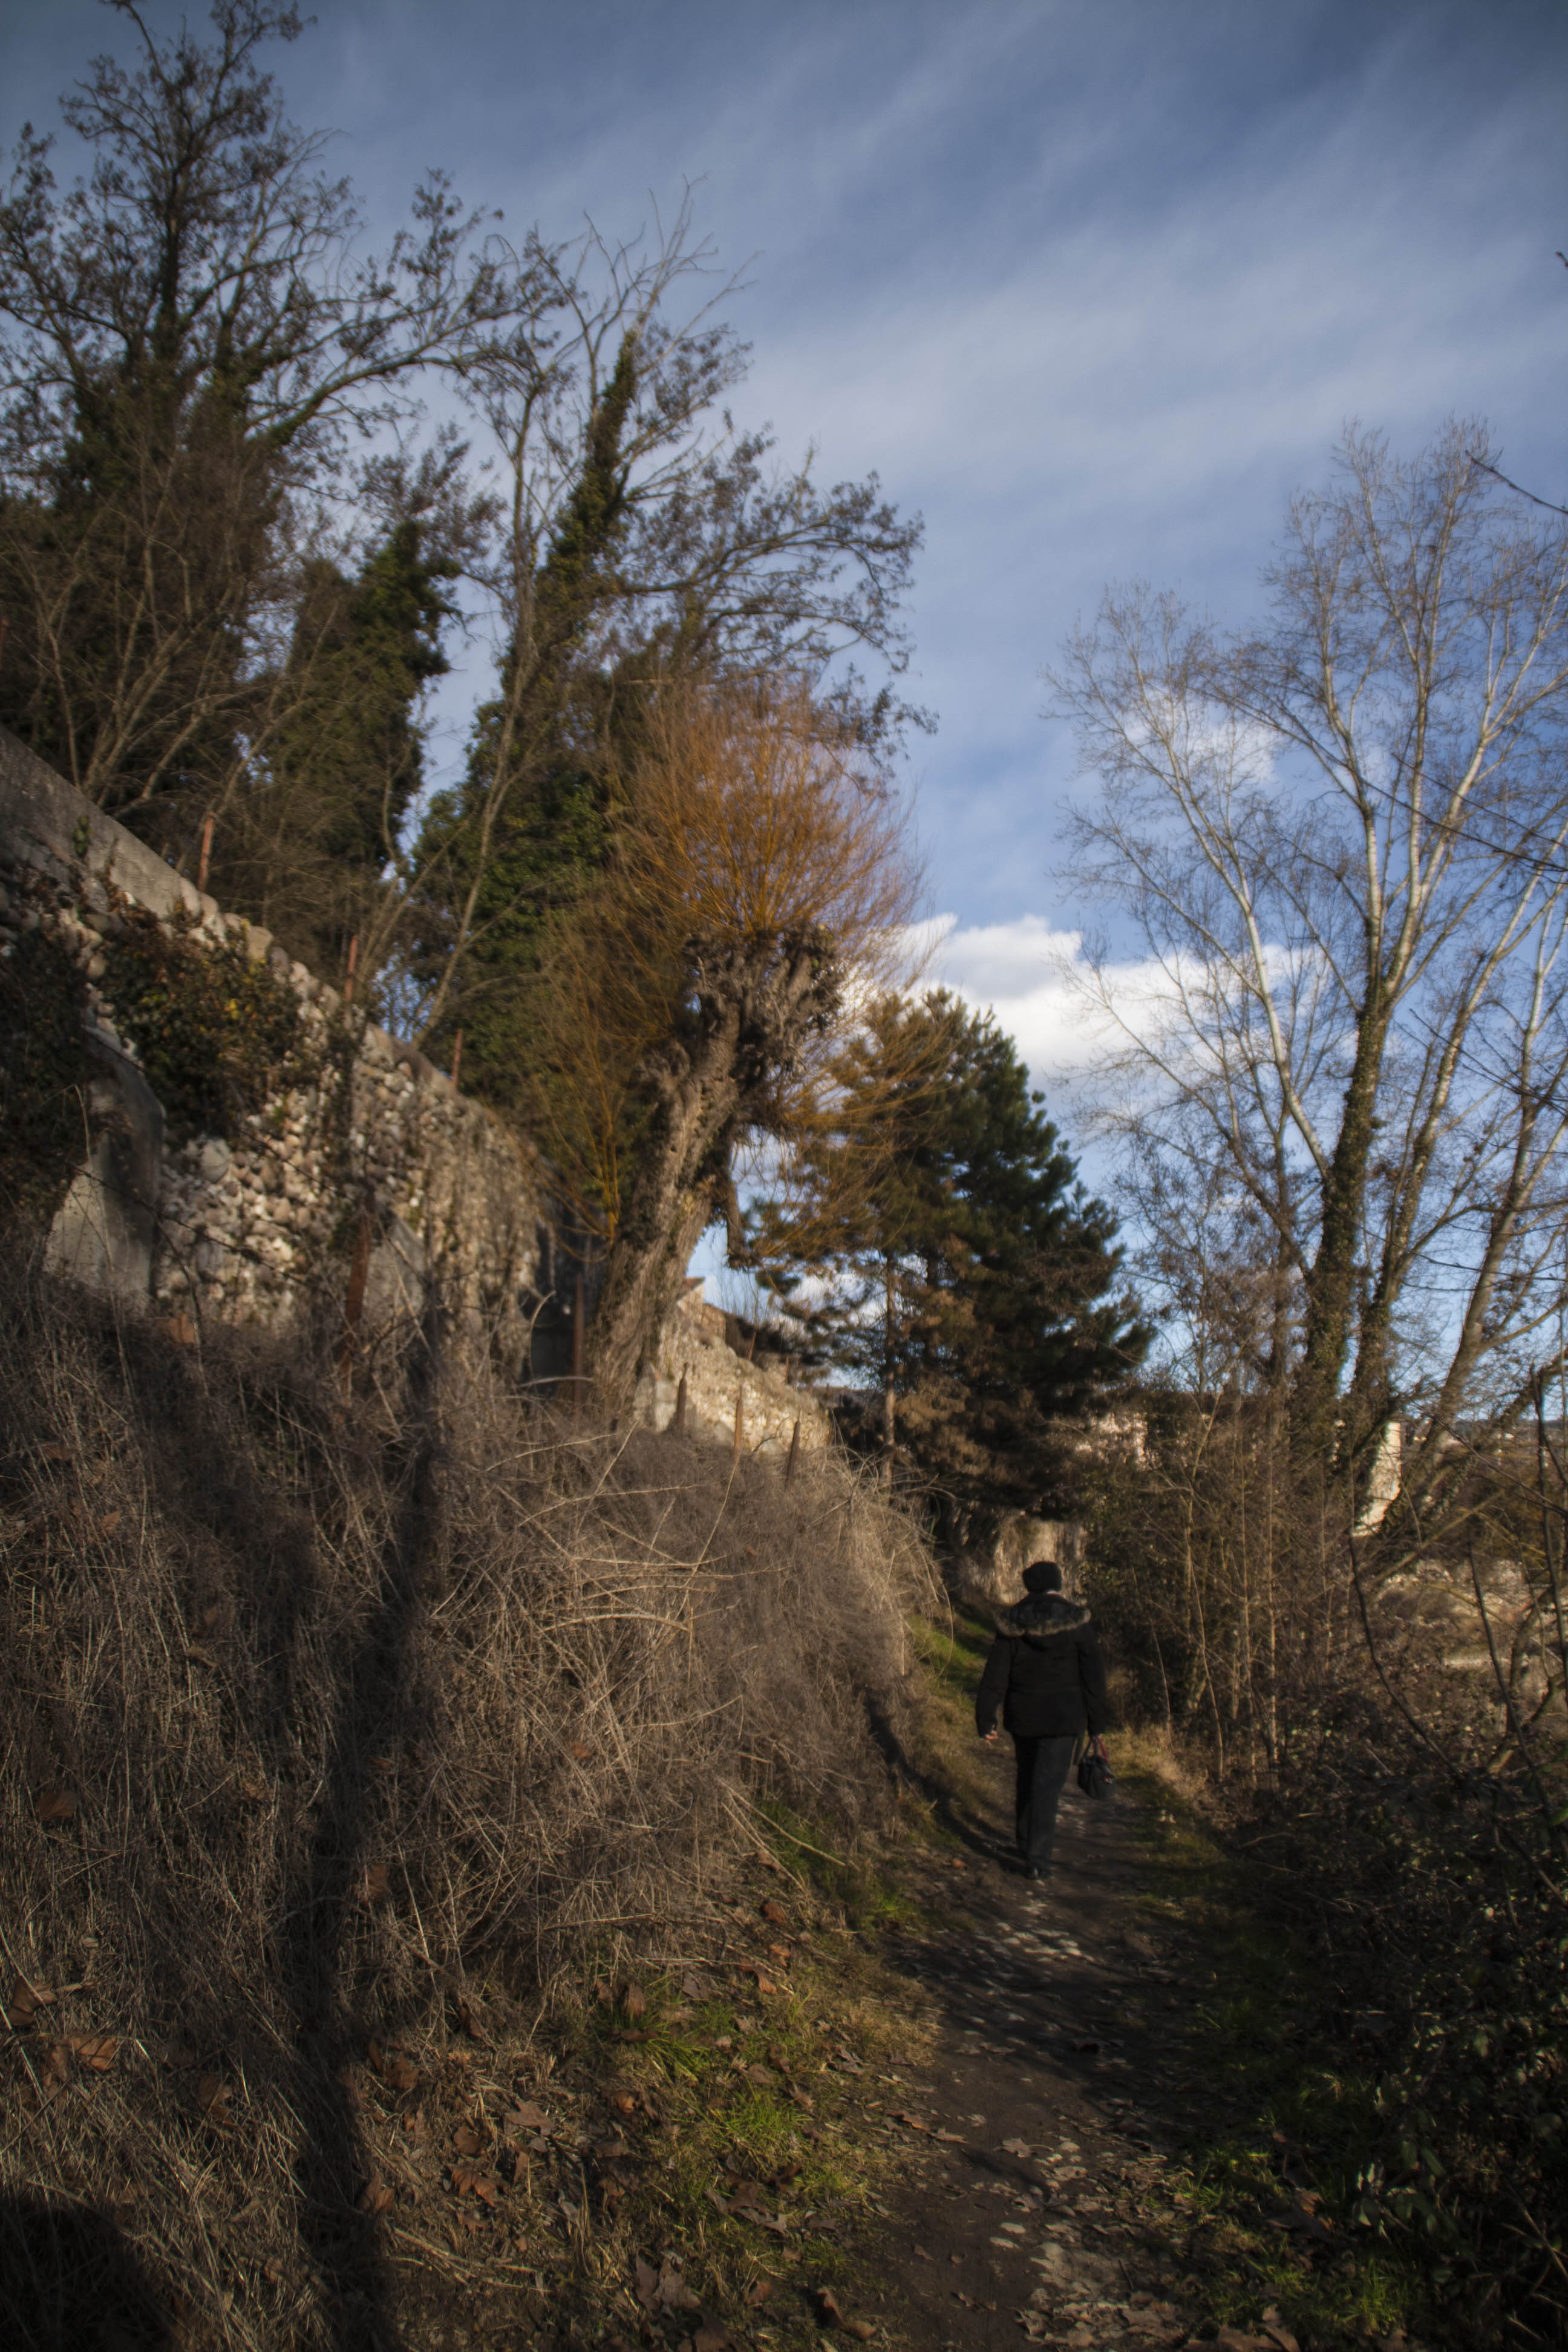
x=45, y=1067
x=216, y=1032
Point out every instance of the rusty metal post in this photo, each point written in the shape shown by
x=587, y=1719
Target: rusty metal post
x=739, y=1422
x=205, y=858
x=579, y=1317
x=353, y=958
x=679, y=1424
x=793, y=1451
x=456, y=1058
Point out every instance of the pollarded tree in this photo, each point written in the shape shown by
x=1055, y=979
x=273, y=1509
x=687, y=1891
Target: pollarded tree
x=688, y=1002
x=936, y=1242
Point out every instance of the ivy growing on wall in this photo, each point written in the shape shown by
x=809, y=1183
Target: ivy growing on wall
x=44, y=1071
x=216, y=1031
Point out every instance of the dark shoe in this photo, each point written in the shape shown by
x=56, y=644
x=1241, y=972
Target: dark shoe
x=1032, y=1873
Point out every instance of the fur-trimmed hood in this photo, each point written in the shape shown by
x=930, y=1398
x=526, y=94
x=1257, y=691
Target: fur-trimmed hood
x=1040, y=1616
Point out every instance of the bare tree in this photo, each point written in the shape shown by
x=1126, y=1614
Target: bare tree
x=1342, y=838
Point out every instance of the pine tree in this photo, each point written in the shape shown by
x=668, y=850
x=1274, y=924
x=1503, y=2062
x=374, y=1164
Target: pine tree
x=936, y=1243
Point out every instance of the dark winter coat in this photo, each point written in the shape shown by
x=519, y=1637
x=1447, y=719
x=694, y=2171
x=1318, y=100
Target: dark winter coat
x=1045, y=1672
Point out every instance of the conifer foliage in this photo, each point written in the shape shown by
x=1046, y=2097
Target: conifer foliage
x=932, y=1242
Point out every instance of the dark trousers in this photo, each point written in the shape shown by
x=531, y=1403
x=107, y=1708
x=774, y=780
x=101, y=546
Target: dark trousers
x=1043, y=1768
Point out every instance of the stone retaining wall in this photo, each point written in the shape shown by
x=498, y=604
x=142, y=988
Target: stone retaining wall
x=336, y=1196
x=335, y=1202
x=691, y=1346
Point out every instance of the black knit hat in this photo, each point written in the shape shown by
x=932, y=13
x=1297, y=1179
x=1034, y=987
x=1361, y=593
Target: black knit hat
x=1043, y=1576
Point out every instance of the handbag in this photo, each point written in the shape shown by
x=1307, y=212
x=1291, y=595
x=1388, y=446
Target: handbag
x=1094, y=1776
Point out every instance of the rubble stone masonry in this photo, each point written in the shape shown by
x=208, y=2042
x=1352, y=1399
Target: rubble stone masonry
x=357, y=1179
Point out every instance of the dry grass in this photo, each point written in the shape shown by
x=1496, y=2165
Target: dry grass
x=326, y=1723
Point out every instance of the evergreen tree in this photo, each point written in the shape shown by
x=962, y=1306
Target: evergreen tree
x=313, y=843
x=934, y=1243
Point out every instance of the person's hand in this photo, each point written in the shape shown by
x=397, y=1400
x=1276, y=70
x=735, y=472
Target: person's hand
x=989, y=1739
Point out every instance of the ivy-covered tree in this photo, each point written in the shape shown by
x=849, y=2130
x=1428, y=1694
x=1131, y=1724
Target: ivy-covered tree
x=313, y=843
x=190, y=346
x=646, y=547
x=934, y=1243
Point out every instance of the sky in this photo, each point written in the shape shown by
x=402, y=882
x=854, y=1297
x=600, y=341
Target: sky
x=1093, y=285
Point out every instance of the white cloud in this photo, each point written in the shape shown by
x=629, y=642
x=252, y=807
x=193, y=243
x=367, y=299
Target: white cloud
x=1032, y=976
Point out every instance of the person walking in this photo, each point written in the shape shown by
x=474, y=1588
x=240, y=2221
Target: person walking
x=1046, y=1675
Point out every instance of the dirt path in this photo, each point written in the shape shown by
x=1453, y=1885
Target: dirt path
x=1045, y=2206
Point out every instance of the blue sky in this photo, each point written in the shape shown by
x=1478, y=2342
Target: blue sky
x=1094, y=286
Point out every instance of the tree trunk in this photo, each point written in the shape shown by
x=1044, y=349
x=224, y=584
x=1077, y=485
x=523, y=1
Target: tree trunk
x=753, y=1006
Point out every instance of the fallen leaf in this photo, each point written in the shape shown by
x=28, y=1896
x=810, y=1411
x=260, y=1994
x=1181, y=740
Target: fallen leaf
x=396, y=2068
x=1274, y=2327
x=469, y=2017
x=762, y=2078
x=914, y=2122
x=54, y=2072
x=375, y=2195
x=775, y=1914
x=374, y=1887
x=526, y=2116
x=1301, y=2217
x=758, y=2292
x=628, y=2033
x=671, y=2289
x=54, y=1453
x=466, y=2140
x=468, y=2180
x=622, y=2102
x=765, y=1984
x=830, y=2316
x=213, y=2096
x=252, y=1792
x=634, y=2001
x=711, y=2336
x=95, y=2050
x=109, y=1522
x=580, y=1752
x=56, y=1804
x=781, y=1953
x=697, y=1987
x=25, y=2002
